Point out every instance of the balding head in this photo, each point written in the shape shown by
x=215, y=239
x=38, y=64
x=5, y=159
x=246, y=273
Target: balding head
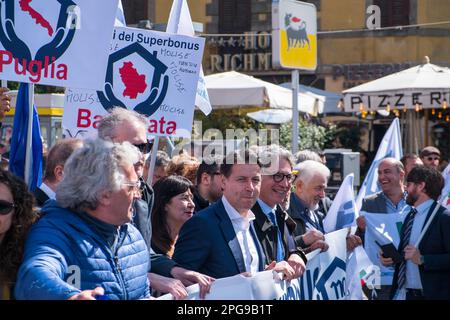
x=391, y=174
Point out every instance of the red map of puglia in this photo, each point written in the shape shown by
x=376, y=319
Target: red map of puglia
x=40, y=20
x=133, y=81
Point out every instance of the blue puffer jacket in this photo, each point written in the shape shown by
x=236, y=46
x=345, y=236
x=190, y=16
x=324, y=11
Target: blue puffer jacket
x=64, y=255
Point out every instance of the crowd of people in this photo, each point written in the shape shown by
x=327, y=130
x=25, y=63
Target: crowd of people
x=94, y=229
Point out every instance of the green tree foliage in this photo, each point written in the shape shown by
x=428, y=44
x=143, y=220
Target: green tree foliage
x=310, y=135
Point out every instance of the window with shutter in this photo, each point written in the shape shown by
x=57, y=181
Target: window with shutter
x=394, y=12
x=234, y=16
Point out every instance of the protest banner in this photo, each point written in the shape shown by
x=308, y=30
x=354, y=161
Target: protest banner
x=56, y=42
x=324, y=278
x=153, y=73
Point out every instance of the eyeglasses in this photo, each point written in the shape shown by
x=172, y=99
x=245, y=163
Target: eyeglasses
x=279, y=177
x=133, y=186
x=145, y=147
x=433, y=158
x=6, y=207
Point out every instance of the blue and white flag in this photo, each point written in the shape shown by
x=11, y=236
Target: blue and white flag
x=390, y=147
x=180, y=22
x=19, y=141
x=120, y=16
x=382, y=228
x=343, y=211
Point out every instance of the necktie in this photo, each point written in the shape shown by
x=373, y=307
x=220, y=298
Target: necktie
x=404, y=241
x=280, y=249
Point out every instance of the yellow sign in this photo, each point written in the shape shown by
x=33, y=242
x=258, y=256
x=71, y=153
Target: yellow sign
x=294, y=35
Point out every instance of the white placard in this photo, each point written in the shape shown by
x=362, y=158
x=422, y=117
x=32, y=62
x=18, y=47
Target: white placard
x=153, y=73
x=56, y=42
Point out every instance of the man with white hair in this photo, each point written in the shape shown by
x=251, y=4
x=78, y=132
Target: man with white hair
x=310, y=185
x=83, y=247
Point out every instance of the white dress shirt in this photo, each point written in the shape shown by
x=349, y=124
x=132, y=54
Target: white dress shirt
x=412, y=270
x=241, y=226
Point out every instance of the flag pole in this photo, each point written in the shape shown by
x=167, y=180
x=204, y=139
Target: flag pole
x=29, y=149
x=294, y=82
x=152, y=161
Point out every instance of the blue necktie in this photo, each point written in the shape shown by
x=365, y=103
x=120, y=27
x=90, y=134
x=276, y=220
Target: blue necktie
x=280, y=249
x=404, y=241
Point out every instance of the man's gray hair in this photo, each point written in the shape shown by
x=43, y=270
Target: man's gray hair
x=310, y=168
x=116, y=117
x=269, y=157
x=306, y=154
x=95, y=168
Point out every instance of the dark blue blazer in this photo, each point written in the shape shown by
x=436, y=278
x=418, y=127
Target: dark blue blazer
x=435, y=248
x=208, y=244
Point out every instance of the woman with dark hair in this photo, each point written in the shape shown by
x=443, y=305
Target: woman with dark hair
x=172, y=208
x=16, y=218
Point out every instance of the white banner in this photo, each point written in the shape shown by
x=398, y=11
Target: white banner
x=324, y=278
x=153, y=73
x=383, y=228
x=56, y=42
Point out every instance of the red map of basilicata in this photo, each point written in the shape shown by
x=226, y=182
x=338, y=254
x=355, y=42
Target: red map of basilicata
x=133, y=81
x=40, y=20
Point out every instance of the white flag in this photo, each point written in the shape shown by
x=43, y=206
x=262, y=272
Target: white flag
x=382, y=228
x=445, y=196
x=360, y=270
x=343, y=212
x=120, y=16
x=180, y=22
x=390, y=147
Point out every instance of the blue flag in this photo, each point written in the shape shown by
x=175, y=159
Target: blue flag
x=343, y=211
x=19, y=141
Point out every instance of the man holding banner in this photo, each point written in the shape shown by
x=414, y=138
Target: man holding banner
x=391, y=199
x=220, y=241
x=424, y=271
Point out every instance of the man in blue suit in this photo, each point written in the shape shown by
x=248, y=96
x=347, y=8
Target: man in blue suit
x=220, y=241
x=424, y=272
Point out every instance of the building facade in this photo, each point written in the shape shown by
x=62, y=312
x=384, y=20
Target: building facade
x=358, y=41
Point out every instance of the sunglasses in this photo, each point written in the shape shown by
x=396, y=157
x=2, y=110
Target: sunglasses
x=6, y=207
x=145, y=147
x=433, y=158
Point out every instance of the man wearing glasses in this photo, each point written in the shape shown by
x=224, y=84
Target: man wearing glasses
x=83, y=247
x=430, y=157
x=273, y=226
x=126, y=125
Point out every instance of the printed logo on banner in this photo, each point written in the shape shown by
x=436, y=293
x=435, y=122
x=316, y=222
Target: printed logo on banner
x=331, y=284
x=134, y=87
x=38, y=57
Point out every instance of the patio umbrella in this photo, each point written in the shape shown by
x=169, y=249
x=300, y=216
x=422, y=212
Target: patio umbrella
x=271, y=116
x=426, y=86
x=233, y=89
